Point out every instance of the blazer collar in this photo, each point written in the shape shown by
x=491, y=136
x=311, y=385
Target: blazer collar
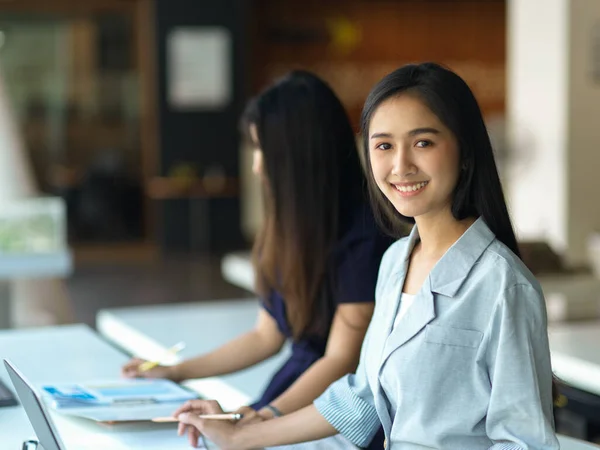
x=452, y=269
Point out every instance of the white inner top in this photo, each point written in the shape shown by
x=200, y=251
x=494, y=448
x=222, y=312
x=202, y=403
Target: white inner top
x=405, y=301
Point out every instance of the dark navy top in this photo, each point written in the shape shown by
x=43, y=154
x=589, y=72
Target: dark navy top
x=354, y=267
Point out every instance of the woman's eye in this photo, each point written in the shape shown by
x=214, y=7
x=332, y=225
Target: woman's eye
x=423, y=144
x=383, y=146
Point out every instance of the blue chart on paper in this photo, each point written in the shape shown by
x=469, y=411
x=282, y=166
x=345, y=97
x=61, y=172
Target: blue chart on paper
x=133, y=390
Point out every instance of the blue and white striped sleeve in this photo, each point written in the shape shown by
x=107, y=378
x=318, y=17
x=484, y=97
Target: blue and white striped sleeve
x=348, y=405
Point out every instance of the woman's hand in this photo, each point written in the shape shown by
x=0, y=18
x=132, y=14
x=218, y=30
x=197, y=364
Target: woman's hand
x=131, y=369
x=221, y=432
x=250, y=416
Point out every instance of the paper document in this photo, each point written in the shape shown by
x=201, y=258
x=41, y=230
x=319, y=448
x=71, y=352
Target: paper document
x=115, y=392
x=117, y=400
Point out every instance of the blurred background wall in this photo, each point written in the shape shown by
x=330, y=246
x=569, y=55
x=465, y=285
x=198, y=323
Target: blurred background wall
x=129, y=108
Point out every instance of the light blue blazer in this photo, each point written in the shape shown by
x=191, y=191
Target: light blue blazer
x=467, y=367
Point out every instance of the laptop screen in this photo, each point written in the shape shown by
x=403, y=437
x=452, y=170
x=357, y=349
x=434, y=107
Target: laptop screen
x=35, y=410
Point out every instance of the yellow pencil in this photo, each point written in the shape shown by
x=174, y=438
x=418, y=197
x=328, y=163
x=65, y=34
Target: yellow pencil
x=152, y=364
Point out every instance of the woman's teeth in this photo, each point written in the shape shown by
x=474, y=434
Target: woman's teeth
x=412, y=187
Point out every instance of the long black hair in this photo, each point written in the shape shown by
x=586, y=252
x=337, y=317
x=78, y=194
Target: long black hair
x=478, y=192
x=313, y=179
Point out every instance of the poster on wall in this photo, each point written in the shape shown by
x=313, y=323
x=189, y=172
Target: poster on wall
x=199, y=68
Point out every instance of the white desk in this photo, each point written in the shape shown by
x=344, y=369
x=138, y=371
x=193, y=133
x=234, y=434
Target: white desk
x=148, y=331
x=76, y=353
x=567, y=443
x=575, y=349
x=571, y=297
x=73, y=353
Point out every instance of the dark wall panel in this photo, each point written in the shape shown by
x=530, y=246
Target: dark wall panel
x=203, y=139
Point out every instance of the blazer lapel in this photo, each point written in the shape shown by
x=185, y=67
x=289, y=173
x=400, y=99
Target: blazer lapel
x=421, y=312
x=390, y=299
x=391, y=294
x=417, y=317
x=382, y=408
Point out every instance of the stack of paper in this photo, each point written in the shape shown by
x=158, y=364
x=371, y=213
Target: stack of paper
x=117, y=400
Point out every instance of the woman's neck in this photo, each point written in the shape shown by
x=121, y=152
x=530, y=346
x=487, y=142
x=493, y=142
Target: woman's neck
x=438, y=233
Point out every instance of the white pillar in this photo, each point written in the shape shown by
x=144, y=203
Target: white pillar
x=34, y=302
x=553, y=119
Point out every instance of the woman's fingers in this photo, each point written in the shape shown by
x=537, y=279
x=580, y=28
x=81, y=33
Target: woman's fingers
x=199, y=407
x=130, y=368
x=193, y=436
x=219, y=431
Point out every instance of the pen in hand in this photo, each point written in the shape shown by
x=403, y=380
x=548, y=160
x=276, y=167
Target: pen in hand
x=232, y=416
x=152, y=364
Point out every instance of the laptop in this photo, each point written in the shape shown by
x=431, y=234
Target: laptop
x=34, y=408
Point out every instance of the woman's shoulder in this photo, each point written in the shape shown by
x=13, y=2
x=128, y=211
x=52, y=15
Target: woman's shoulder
x=394, y=255
x=510, y=289
x=397, y=248
x=500, y=262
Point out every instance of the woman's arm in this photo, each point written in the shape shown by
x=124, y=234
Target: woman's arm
x=347, y=406
x=304, y=425
x=341, y=356
x=262, y=342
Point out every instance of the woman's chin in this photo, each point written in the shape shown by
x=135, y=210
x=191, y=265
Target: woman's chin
x=408, y=210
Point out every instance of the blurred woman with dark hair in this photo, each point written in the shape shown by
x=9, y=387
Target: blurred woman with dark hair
x=316, y=257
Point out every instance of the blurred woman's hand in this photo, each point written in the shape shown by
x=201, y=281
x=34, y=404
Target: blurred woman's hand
x=131, y=369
